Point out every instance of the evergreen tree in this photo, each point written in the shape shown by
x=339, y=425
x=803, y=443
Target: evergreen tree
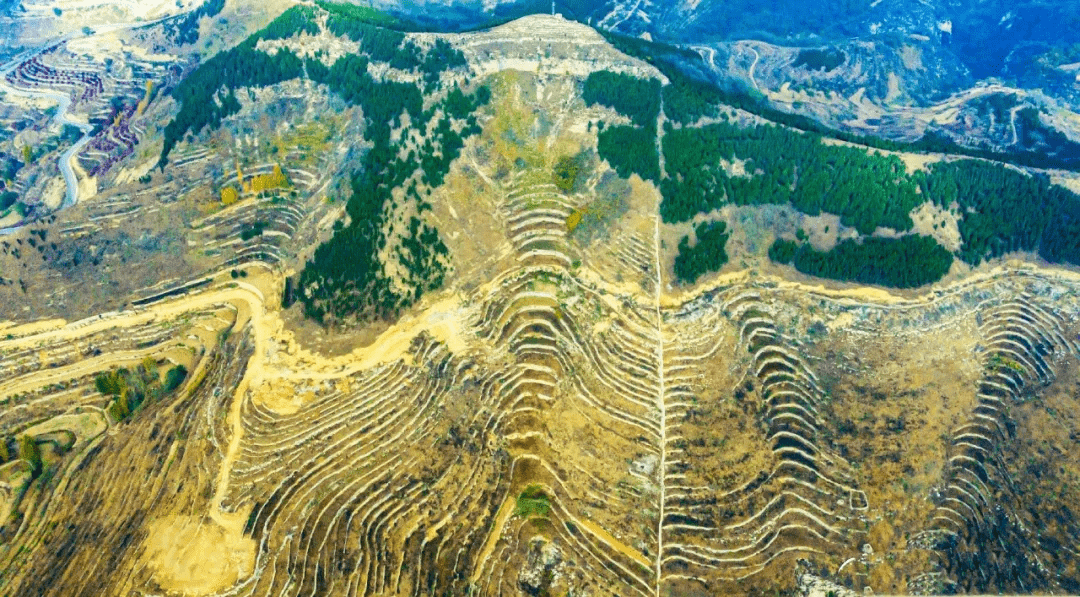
x=31, y=453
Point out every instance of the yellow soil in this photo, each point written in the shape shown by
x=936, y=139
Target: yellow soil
x=1070, y=182
x=916, y=162
x=85, y=425
x=504, y=514
x=27, y=329
x=196, y=556
x=927, y=215
x=619, y=546
x=912, y=57
x=894, y=93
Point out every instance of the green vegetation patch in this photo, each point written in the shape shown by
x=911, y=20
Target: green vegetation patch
x=637, y=99
x=250, y=232
x=1035, y=135
x=687, y=101
x=631, y=150
x=381, y=38
x=185, y=30
x=174, y=378
x=10, y=165
x=906, y=262
x=1000, y=209
x=31, y=453
x=1001, y=362
x=132, y=389
x=380, y=44
x=7, y=199
x=708, y=254
x=565, y=173
x=349, y=13
x=826, y=59
x=383, y=103
x=996, y=105
x=784, y=166
x=783, y=250
x=1003, y=210
x=292, y=22
x=533, y=503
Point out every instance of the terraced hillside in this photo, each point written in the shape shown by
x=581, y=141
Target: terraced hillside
x=548, y=433
x=308, y=398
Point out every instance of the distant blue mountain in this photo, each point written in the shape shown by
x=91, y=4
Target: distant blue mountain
x=990, y=37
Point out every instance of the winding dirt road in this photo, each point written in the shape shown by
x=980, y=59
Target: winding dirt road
x=753, y=66
x=63, y=113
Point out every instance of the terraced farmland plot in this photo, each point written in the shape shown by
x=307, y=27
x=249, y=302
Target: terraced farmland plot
x=540, y=432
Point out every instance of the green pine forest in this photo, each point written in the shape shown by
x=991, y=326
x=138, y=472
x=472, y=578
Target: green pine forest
x=630, y=149
x=708, y=254
x=880, y=261
x=999, y=208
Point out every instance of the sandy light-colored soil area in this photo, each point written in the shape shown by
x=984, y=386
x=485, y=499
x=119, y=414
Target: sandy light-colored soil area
x=196, y=556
